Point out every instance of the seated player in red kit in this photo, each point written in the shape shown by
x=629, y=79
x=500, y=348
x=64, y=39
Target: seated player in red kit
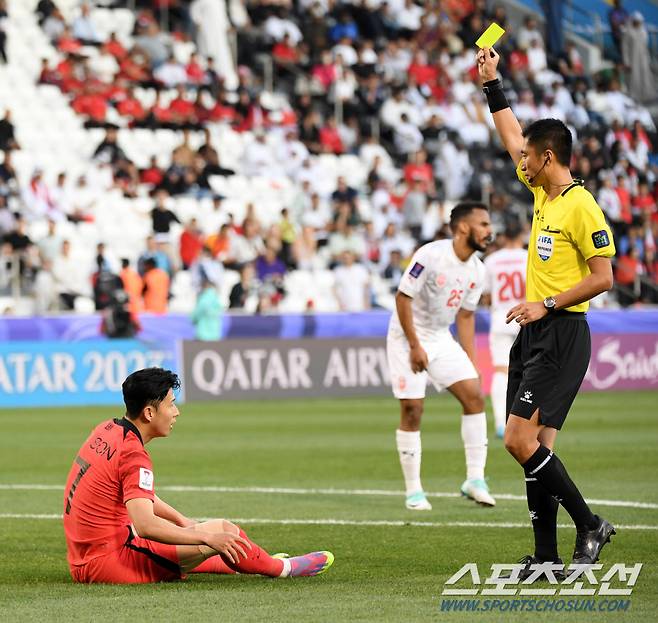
x=119, y=531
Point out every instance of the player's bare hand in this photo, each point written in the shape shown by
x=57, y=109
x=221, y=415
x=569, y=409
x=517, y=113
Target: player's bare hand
x=487, y=59
x=418, y=359
x=526, y=313
x=230, y=545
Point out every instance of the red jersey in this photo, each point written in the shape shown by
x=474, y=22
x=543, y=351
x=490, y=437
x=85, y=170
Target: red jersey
x=111, y=468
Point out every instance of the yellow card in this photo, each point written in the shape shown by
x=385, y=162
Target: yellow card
x=489, y=37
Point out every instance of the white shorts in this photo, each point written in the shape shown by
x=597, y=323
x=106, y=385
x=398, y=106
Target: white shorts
x=499, y=345
x=448, y=364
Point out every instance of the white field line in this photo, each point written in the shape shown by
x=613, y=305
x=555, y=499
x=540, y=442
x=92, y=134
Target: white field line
x=356, y=522
x=291, y=491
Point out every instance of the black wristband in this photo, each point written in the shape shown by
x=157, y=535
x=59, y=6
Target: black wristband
x=496, y=99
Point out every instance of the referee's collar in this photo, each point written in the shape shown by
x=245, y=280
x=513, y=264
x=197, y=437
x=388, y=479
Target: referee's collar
x=576, y=182
x=127, y=425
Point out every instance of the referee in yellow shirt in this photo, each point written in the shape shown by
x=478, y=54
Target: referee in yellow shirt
x=568, y=264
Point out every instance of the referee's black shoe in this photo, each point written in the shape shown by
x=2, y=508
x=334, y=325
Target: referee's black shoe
x=590, y=543
x=526, y=571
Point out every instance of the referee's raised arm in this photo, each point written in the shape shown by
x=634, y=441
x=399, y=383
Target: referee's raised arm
x=506, y=122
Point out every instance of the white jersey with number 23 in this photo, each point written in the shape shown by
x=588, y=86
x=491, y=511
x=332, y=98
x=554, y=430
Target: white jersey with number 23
x=439, y=284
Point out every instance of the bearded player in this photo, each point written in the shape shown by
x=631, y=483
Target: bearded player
x=442, y=285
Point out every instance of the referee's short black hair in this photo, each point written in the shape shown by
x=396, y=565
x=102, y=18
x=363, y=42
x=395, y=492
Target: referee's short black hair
x=551, y=134
x=462, y=210
x=147, y=387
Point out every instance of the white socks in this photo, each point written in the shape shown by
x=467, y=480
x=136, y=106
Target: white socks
x=409, y=451
x=474, y=436
x=499, y=398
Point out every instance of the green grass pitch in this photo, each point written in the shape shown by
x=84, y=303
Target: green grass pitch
x=382, y=572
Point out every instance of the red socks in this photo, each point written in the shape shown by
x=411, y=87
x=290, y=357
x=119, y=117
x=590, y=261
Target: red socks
x=214, y=564
x=257, y=561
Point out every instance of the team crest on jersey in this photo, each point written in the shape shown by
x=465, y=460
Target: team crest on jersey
x=145, y=479
x=471, y=285
x=441, y=280
x=545, y=246
x=416, y=269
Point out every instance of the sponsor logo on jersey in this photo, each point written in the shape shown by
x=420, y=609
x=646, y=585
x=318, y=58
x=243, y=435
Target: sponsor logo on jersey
x=145, y=479
x=416, y=270
x=600, y=239
x=544, y=247
x=471, y=285
x=527, y=397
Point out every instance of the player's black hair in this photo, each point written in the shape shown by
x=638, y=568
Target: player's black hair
x=147, y=387
x=550, y=134
x=462, y=210
x=513, y=231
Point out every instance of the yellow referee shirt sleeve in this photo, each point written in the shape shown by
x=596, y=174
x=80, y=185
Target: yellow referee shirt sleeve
x=589, y=230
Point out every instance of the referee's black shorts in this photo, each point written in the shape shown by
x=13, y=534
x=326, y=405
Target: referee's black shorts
x=548, y=362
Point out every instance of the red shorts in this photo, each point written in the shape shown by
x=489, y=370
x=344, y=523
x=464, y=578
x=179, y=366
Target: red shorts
x=138, y=561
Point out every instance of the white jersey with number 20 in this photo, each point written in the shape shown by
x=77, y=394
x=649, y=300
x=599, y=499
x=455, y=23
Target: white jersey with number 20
x=439, y=284
x=506, y=271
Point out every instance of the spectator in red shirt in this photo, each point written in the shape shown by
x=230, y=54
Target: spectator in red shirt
x=643, y=203
x=48, y=75
x=222, y=111
x=325, y=73
x=330, y=138
x=160, y=116
x=195, y=73
x=131, y=107
x=624, y=200
x=114, y=47
x=627, y=273
x=284, y=52
x=191, y=243
x=628, y=268
x=419, y=170
x=67, y=43
x=93, y=105
x=152, y=175
x=182, y=110
x=135, y=68
x=422, y=71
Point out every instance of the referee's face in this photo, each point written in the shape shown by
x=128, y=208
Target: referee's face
x=479, y=235
x=532, y=164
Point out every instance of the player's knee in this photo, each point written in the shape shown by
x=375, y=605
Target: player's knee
x=412, y=412
x=230, y=527
x=475, y=403
x=217, y=526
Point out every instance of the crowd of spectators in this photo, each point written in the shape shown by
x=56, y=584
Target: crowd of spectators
x=392, y=83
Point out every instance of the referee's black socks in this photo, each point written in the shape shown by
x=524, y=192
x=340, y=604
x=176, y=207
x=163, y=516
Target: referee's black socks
x=547, y=468
x=543, y=514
